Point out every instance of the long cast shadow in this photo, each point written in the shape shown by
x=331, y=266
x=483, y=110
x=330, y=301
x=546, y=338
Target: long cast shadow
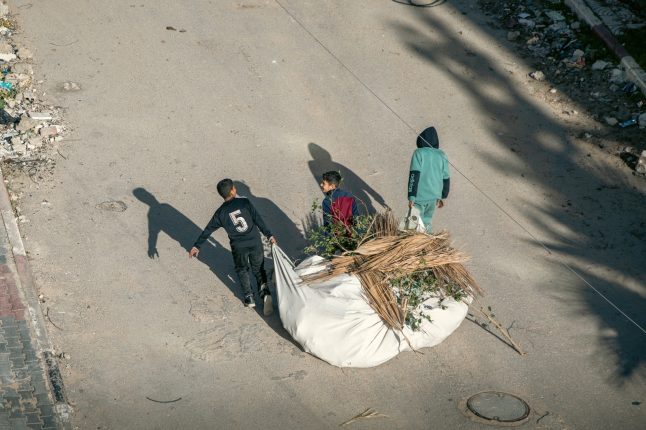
x=163, y=217
x=602, y=212
x=322, y=162
x=289, y=237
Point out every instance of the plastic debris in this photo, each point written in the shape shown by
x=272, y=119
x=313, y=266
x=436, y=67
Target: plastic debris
x=628, y=122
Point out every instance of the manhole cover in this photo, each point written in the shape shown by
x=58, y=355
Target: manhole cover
x=498, y=406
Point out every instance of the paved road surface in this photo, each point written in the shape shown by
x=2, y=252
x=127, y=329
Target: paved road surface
x=271, y=93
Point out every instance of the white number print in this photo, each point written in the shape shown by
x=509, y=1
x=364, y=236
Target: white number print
x=238, y=221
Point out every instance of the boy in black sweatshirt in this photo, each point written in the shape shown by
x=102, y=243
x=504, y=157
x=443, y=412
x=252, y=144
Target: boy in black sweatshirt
x=242, y=223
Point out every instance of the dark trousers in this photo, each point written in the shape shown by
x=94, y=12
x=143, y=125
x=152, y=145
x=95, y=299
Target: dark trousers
x=250, y=257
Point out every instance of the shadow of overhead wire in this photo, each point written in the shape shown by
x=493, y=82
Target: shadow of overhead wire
x=485, y=326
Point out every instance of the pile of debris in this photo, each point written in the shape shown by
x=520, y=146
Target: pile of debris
x=574, y=62
x=27, y=124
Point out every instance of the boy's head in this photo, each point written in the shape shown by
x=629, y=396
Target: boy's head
x=428, y=139
x=226, y=189
x=330, y=181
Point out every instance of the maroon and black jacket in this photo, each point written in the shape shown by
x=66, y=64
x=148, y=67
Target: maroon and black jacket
x=339, y=206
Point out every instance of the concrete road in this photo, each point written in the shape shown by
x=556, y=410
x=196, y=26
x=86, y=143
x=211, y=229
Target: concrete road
x=272, y=93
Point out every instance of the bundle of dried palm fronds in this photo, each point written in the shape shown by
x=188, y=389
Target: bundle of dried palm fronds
x=389, y=254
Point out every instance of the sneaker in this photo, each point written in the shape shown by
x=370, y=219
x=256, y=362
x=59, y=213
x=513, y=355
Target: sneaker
x=249, y=302
x=268, y=305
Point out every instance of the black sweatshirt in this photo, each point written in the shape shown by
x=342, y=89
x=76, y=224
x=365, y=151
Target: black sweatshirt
x=241, y=222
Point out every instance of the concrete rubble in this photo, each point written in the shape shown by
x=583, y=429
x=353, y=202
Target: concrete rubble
x=538, y=75
x=641, y=164
x=610, y=120
x=599, y=65
x=569, y=60
x=26, y=122
x=642, y=120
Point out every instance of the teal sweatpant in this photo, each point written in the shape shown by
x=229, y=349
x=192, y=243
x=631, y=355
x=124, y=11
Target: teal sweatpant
x=427, y=209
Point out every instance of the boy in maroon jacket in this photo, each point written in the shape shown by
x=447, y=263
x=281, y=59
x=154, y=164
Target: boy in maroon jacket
x=338, y=206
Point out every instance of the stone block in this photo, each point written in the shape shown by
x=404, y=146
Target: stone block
x=46, y=410
x=49, y=131
x=42, y=398
x=49, y=421
x=33, y=418
x=7, y=57
x=24, y=53
x=19, y=423
x=40, y=116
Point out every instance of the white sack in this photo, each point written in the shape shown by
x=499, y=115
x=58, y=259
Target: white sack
x=333, y=321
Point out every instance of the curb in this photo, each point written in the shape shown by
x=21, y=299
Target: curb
x=633, y=71
x=27, y=288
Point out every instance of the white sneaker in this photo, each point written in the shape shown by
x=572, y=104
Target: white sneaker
x=249, y=302
x=268, y=305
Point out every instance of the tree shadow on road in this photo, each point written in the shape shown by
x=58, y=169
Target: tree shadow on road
x=599, y=213
x=617, y=335
x=322, y=162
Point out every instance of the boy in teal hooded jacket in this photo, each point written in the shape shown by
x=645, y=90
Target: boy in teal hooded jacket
x=428, y=179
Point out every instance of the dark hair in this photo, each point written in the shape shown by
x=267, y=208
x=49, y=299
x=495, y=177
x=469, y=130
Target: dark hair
x=224, y=187
x=332, y=177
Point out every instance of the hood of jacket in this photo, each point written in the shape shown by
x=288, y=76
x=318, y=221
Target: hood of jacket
x=428, y=138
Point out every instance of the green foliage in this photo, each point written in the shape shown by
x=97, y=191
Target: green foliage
x=411, y=289
x=334, y=238
x=416, y=288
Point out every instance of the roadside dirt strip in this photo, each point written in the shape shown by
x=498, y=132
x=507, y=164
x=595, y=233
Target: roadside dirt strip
x=31, y=389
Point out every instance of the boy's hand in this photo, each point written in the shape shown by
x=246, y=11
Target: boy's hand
x=193, y=252
x=440, y=203
x=410, y=204
x=272, y=240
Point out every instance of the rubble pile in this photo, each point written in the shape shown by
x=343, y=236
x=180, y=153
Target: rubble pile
x=569, y=59
x=27, y=123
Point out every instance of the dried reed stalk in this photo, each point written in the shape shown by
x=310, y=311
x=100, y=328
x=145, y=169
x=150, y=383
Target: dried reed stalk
x=407, y=253
x=382, y=299
x=389, y=254
x=505, y=333
x=368, y=413
x=385, y=224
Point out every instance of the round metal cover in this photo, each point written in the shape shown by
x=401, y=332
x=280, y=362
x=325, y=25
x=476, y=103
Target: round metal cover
x=498, y=406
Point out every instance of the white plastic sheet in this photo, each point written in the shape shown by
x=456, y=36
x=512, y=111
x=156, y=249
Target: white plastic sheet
x=333, y=321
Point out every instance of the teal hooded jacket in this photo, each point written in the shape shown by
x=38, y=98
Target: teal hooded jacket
x=428, y=178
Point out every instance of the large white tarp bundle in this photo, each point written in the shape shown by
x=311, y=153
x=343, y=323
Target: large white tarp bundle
x=333, y=320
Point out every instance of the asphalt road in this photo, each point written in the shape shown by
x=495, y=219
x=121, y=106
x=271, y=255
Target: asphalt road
x=271, y=93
